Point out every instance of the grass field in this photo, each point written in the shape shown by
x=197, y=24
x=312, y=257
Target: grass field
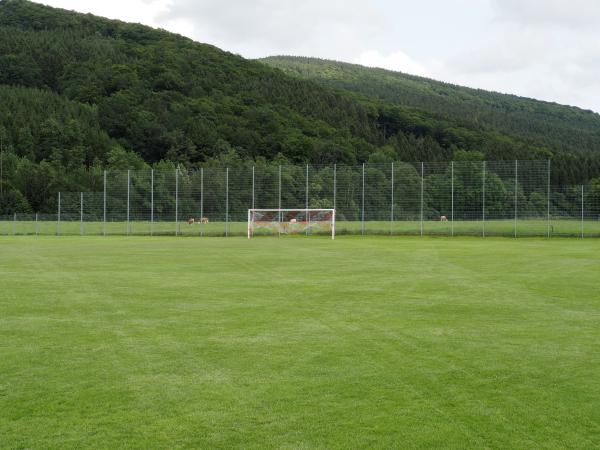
x=378, y=342
x=524, y=228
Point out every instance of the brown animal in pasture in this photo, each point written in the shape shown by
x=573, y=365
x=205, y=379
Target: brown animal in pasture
x=193, y=220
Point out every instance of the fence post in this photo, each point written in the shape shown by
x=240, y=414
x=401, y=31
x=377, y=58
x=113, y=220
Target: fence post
x=279, y=204
x=548, y=199
x=306, y=193
x=14, y=227
x=363, y=201
x=104, y=206
x=306, y=204
x=227, y=201
x=582, y=212
x=334, y=185
x=177, y=201
x=151, y=202
x=483, y=200
x=422, y=181
x=516, y=191
x=58, y=217
x=392, y=206
x=37, y=225
x=81, y=214
x=201, y=201
x=253, y=187
x=279, y=192
x=452, y=197
x=128, y=203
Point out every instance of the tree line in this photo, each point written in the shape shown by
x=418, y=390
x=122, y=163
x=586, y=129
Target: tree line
x=226, y=187
x=82, y=94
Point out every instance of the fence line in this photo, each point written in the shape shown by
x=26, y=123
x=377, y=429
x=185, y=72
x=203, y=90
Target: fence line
x=485, y=198
x=548, y=198
x=516, y=194
x=422, y=187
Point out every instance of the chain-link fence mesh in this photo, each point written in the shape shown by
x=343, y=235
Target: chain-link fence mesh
x=591, y=209
x=492, y=198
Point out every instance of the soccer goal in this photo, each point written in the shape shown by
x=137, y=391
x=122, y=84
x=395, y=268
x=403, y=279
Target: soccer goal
x=270, y=222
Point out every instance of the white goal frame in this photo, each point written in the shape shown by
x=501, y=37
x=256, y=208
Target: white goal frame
x=279, y=211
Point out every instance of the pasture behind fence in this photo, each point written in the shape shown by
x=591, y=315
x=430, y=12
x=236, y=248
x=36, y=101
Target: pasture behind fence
x=490, y=198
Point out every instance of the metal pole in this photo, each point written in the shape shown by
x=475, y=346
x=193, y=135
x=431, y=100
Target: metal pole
x=58, y=217
x=279, y=204
x=1, y=162
x=37, y=225
x=227, y=201
x=548, y=199
x=392, y=206
x=334, y=185
x=14, y=227
x=81, y=214
x=151, y=202
x=422, y=182
x=104, y=207
x=307, y=213
x=363, y=200
x=333, y=224
x=202, y=201
x=582, y=210
x=392, y=202
x=253, y=187
x=177, y=201
x=279, y=193
x=483, y=200
x=128, y=175
x=452, y=199
x=516, y=187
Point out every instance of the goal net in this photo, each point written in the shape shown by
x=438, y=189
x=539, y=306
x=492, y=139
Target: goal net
x=270, y=222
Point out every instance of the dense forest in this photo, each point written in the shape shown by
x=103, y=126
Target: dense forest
x=558, y=127
x=82, y=93
x=473, y=119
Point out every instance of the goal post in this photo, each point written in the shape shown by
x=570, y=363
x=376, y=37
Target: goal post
x=291, y=221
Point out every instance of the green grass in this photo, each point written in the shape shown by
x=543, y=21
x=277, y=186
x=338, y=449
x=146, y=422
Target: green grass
x=379, y=342
x=524, y=227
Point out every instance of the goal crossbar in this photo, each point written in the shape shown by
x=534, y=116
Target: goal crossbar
x=295, y=209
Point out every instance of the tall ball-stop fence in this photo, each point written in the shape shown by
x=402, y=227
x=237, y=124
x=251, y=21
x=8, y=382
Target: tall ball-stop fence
x=489, y=198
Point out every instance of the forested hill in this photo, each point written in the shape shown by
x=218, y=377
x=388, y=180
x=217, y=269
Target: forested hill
x=167, y=97
x=81, y=93
x=561, y=129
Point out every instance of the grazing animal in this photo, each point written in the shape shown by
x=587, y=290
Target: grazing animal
x=193, y=220
x=443, y=219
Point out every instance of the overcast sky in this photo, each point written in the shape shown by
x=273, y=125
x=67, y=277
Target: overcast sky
x=546, y=49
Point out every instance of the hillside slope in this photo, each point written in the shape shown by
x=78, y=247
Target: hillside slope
x=81, y=93
x=166, y=96
x=561, y=129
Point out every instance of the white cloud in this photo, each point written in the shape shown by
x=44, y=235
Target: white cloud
x=569, y=13
x=397, y=61
x=138, y=11
x=334, y=28
x=535, y=48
